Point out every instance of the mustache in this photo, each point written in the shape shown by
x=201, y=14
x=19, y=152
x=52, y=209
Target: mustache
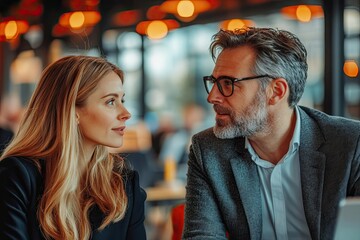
x=221, y=110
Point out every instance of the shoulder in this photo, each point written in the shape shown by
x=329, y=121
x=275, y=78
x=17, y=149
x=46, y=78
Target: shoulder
x=132, y=185
x=205, y=135
x=331, y=126
x=19, y=177
x=206, y=139
x=18, y=166
x=136, y=199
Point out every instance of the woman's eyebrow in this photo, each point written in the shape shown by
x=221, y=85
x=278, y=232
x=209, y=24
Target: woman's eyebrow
x=112, y=95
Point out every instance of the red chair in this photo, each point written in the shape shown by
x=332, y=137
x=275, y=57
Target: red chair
x=177, y=218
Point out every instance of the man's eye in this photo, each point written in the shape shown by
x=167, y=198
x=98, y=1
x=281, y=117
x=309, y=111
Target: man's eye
x=227, y=82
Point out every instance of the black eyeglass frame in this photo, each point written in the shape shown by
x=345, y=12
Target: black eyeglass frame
x=232, y=79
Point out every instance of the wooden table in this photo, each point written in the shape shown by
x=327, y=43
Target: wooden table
x=166, y=192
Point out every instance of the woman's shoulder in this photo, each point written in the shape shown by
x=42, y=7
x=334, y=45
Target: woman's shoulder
x=21, y=164
x=21, y=177
x=130, y=177
x=132, y=184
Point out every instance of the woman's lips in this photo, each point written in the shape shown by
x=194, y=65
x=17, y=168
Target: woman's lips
x=119, y=130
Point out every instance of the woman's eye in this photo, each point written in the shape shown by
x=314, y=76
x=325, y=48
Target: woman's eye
x=122, y=100
x=111, y=102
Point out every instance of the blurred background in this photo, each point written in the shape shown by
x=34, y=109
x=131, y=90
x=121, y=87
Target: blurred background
x=163, y=48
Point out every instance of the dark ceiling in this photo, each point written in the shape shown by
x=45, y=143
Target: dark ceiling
x=46, y=13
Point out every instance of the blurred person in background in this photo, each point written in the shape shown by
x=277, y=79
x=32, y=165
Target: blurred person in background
x=268, y=169
x=165, y=128
x=58, y=179
x=10, y=115
x=176, y=144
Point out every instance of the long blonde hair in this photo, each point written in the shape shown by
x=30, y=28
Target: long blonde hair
x=49, y=131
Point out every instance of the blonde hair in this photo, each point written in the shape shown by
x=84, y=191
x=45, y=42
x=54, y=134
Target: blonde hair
x=49, y=131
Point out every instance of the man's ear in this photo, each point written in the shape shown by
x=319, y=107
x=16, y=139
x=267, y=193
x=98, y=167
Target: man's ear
x=279, y=89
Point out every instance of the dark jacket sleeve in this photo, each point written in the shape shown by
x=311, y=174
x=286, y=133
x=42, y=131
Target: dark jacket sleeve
x=136, y=228
x=17, y=188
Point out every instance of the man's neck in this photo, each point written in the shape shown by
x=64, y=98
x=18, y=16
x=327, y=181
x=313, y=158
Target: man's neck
x=273, y=145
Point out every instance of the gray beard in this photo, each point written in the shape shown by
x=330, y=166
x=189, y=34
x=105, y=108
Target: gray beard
x=252, y=120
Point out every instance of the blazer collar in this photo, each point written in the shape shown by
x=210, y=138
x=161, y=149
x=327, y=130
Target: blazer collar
x=312, y=170
x=247, y=181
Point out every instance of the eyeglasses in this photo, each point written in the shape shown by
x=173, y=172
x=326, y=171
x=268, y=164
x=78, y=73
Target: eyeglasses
x=225, y=84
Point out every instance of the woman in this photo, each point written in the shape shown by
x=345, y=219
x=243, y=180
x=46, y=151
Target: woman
x=58, y=180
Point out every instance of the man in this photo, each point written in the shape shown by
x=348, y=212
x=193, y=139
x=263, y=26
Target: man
x=268, y=169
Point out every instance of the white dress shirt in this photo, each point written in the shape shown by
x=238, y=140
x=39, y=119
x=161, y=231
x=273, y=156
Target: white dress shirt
x=283, y=214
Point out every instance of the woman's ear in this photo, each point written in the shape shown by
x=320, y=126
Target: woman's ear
x=77, y=118
x=279, y=90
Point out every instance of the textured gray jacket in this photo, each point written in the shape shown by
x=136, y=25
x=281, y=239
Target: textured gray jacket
x=223, y=188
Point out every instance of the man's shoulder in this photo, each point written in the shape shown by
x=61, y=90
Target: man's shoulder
x=206, y=133
x=325, y=118
x=207, y=136
x=207, y=139
x=329, y=123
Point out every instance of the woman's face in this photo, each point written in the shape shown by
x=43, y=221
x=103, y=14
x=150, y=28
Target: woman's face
x=102, y=118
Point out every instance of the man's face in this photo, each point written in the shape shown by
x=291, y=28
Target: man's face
x=244, y=113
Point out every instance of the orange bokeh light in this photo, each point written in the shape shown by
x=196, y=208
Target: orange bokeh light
x=11, y=29
x=146, y=27
x=157, y=29
x=233, y=24
x=303, y=13
x=79, y=19
x=351, y=69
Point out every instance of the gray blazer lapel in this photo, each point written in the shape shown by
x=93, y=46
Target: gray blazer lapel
x=312, y=167
x=247, y=182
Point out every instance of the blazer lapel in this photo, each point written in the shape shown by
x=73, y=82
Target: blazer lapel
x=312, y=170
x=247, y=182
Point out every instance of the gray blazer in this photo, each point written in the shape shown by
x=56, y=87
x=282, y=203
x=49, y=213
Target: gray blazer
x=223, y=187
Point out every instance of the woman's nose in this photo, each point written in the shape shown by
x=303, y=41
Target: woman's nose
x=124, y=114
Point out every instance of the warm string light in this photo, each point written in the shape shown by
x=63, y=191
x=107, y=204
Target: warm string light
x=351, y=69
x=79, y=19
x=11, y=29
x=303, y=13
x=233, y=24
x=156, y=29
x=187, y=10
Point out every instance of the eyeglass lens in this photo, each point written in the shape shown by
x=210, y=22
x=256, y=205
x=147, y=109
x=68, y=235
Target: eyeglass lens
x=225, y=86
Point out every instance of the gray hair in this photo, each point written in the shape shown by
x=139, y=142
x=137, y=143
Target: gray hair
x=279, y=53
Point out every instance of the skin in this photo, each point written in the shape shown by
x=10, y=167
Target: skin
x=272, y=137
x=102, y=118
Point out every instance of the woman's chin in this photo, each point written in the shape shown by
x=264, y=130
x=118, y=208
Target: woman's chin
x=115, y=148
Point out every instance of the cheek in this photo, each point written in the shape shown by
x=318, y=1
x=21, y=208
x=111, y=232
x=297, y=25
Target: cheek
x=95, y=122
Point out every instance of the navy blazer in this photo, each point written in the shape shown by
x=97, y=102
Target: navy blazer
x=223, y=186
x=21, y=186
